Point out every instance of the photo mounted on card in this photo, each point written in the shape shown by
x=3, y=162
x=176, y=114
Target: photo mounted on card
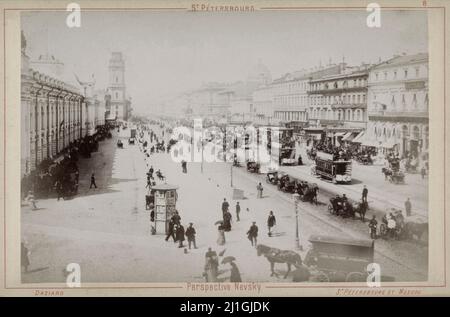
x=224, y=148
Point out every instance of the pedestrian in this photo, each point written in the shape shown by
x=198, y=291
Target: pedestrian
x=235, y=275
x=176, y=218
x=408, y=207
x=238, y=210
x=150, y=171
x=171, y=231
x=221, y=235
x=259, y=188
x=180, y=235
x=423, y=172
x=190, y=234
x=227, y=221
x=373, y=227
x=59, y=189
x=93, y=181
x=24, y=259
x=271, y=222
x=225, y=206
x=365, y=192
x=252, y=233
x=32, y=201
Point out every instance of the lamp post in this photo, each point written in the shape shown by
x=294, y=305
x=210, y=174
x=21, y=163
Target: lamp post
x=298, y=246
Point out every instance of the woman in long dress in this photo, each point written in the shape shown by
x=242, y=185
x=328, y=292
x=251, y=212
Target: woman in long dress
x=235, y=276
x=221, y=237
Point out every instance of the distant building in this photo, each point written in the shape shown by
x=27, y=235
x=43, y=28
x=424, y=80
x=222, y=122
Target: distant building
x=398, y=105
x=119, y=106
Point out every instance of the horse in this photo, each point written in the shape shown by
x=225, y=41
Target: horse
x=361, y=209
x=274, y=255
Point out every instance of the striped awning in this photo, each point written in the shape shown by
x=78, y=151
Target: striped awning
x=358, y=138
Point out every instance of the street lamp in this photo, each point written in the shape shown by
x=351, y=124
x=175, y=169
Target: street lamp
x=298, y=246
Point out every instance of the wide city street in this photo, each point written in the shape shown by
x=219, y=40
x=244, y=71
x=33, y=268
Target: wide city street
x=107, y=230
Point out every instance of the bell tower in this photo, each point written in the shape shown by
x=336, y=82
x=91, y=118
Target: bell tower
x=117, y=85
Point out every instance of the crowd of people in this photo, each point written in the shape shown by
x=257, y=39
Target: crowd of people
x=60, y=176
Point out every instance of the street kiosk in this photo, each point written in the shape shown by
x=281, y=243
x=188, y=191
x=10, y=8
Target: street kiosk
x=165, y=198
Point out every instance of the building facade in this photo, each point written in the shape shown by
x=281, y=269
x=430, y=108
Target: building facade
x=51, y=115
x=340, y=99
x=398, y=105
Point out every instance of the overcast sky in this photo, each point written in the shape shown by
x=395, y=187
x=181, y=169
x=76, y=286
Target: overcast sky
x=170, y=52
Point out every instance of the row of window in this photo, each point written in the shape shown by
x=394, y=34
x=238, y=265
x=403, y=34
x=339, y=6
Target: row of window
x=339, y=84
x=340, y=99
x=341, y=114
x=401, y=102
x=404, y=73
x=403, y=133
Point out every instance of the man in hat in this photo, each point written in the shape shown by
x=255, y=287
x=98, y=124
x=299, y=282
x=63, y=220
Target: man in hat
x=180, y=235
x=408, y=207
x=259, y=188
x=252, y=233
x=271, y=222
x=238, y=211
x=373, y=227
x=93, y=181
x=190, y=234
x=225, y=206
x=365, y=192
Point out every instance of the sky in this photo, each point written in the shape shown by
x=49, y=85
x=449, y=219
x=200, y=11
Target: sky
x=170, y=52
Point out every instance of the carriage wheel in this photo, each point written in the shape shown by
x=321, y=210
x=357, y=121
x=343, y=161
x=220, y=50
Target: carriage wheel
x=356, y=277
x=321, y=277
x=331, y=209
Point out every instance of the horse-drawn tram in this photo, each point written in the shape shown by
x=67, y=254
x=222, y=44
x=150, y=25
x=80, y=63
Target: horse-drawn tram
x=338, y=171
x=338, y=259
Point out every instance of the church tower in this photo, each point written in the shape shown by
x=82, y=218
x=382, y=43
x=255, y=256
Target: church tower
x=116, y=86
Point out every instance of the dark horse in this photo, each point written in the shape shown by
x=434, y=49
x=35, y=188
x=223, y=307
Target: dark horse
x=274, y=255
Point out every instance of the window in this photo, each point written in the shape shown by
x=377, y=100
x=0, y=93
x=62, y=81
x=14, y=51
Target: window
x=376, y=76
x=117, y=95
x=417, y=71
x=426, y=100
x=395, y=74
x=393, y=101
x=403, y=101
x=385, y=75
x=414, y=102
x=117, y=79
x=406, y=73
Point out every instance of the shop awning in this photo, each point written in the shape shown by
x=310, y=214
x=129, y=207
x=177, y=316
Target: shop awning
x=370, y=143
x=358, y=138
x=389, y=144
x=349, y=136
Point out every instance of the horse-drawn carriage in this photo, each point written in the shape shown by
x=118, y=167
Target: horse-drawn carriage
x=273, y=177
x=335, y=259
x=286, y=183
x=340, y=206
x=120, y=144
x=253, y=167
x=393, y=175
x=307, y=191
x=394, y=226
x=131, y=141
x=364, y=159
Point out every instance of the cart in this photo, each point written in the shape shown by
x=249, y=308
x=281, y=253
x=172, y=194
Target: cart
x=336, y=259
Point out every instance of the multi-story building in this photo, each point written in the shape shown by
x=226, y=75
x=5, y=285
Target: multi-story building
x=398, y=105
x=340, y=99
x=120, y=104
x=290, y=98
x=52, y=110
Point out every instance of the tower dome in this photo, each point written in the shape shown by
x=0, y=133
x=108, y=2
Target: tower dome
x=259, y=74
